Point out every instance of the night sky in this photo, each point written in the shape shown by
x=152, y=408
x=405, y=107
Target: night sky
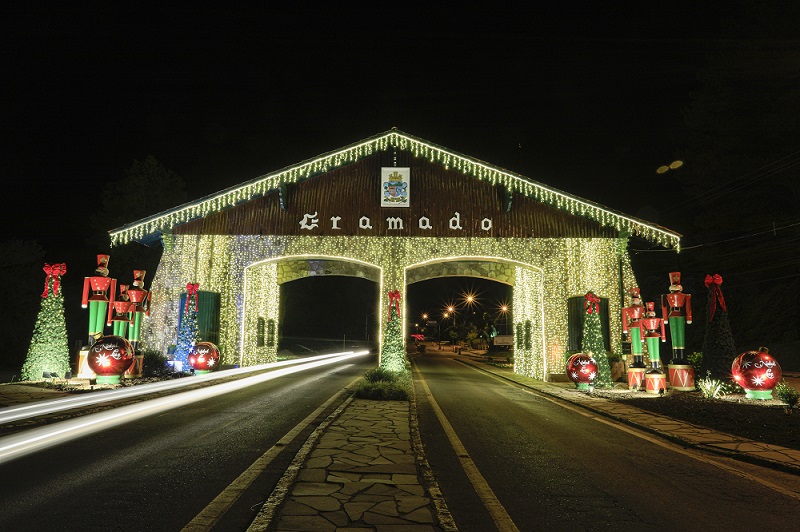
x=585, y=98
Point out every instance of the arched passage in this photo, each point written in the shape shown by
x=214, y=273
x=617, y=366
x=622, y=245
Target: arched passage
x=527, y=310
x=262, y=288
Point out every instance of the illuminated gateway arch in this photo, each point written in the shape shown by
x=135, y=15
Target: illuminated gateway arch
x=395, y=209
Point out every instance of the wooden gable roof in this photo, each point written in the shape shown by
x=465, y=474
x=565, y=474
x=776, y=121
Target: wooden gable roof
x=344, y=185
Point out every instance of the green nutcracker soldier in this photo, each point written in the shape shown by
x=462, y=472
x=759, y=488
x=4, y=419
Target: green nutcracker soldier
x=98, y=295
x=121, y=316
x=676, y=310
x=140, y=306
x=98, y=301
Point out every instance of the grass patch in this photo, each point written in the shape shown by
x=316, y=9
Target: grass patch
x=385, y=385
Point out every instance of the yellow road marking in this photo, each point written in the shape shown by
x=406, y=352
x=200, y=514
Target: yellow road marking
x=496, y=510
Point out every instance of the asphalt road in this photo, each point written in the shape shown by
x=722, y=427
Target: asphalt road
x=159, y=472
x=553, y=468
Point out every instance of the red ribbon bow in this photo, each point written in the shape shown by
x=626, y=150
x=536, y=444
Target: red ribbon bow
x=715, y=294
x=591, y=304
x=394, y=299
x=55, y=271
x=192, y=292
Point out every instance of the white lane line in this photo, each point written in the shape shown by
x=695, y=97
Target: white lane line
x=496, y=510
x=217, y=508
x=691, y=453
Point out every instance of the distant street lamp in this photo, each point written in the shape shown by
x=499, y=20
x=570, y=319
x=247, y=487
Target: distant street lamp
x=674, y=165
x=504, y=311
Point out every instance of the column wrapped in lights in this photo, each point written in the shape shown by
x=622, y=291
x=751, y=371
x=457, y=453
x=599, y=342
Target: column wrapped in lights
x=547, y=272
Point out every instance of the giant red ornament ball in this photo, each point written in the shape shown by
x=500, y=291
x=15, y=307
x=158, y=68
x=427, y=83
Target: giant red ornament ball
x=204, y=357
x=757, y=372
x=109, y=357
x=582, y=370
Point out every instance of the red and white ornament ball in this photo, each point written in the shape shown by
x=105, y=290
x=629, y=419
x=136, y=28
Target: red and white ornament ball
x=582, y=370
x=109, y=357
x=757, y=372
x=204, y=357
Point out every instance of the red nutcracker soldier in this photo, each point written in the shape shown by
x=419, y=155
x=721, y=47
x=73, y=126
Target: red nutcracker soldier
x=99, y=309
x=98, y=302
x=121, y=316
x=655, y=380
x=632, y=326
x=676, y=309
x=140, y=305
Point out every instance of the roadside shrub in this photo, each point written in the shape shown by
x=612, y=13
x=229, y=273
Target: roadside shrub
x=385, y=385
x=154, y=364
x=788, y=394
x=711, y=388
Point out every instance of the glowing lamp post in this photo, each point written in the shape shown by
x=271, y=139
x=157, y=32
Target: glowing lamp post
x=109, y=357
x=582, y=370
x=757, y=372
x=204, y=357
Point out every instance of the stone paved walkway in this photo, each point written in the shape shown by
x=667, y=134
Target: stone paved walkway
x=361, y=475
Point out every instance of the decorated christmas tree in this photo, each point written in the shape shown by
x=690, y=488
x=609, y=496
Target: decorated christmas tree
x=188, y=334
x=49, y=349
x=393, y=358
x=719, y=350
x=593, y=343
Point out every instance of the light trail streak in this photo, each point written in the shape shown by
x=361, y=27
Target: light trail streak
x=17, y=445
x=30, y=410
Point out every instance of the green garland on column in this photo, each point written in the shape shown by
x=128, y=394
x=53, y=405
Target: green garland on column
x=49, y=349
x=593, y=341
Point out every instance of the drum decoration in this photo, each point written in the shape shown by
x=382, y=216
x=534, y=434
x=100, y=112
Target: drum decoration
x=109, y=357
x=757, y=372
x=582, y=370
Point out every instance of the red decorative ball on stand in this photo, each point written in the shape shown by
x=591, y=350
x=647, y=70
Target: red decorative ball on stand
x=757, y=372
x=109, y=357
x=582, y=369
x=204, y=357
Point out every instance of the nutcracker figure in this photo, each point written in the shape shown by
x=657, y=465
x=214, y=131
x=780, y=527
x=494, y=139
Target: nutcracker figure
x=676, y=309
x=140, y=305
x=98, y=301
x=121, y=316
x=632, y=327
x=655, y=380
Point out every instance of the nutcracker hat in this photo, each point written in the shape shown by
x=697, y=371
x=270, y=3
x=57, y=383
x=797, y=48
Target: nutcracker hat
x=651, y=308
x=675, y=282
x=102, y=260
x=123, y=288
x=634, y=292
x=138, y=277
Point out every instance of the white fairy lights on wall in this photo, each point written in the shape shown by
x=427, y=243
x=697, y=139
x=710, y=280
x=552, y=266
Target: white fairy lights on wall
x=164, y=222
x=244, y=271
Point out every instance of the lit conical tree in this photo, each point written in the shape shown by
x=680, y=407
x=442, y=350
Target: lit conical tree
x=593, y=341
x=393, y=357
x=49, y=349
x=188, y=334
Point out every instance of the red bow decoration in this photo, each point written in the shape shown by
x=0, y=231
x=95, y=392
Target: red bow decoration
x=394, y=299
x=55, y=271
x=715, y=294
x=591, y=304
x=192, y=292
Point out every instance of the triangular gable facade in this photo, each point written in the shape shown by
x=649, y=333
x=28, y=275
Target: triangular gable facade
x=344, y=183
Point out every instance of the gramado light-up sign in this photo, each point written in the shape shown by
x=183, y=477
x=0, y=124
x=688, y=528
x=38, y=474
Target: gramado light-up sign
x=393, y=223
